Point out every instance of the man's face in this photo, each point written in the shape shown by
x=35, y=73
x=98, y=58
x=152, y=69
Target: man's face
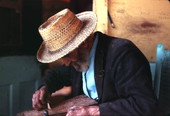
x=78, y=59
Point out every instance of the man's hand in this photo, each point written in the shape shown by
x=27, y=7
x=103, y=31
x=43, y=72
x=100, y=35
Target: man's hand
x=83, y=111
x=39, y=98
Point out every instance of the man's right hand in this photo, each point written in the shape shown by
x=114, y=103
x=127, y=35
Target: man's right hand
x=40, y=98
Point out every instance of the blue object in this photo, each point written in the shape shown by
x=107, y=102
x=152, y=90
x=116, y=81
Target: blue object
x=162, y=78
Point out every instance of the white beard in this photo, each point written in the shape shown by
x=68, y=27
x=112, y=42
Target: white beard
x=82, y=64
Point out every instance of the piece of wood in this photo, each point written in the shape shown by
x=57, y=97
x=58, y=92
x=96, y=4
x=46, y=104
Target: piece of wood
x=61, y=109
x=9, y=4
x=100, y=7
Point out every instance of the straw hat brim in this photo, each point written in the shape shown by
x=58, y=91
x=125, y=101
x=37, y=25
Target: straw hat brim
x=89, y=20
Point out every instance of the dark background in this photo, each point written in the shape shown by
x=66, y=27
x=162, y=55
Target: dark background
x=20, y=19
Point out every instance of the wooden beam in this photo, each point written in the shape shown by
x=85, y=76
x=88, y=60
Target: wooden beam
x=100, y=7
x=9, y=4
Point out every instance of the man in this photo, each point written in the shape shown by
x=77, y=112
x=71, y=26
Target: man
x=110, y=70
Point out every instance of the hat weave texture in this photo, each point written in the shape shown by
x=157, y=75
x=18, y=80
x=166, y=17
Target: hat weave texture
x=64, y=32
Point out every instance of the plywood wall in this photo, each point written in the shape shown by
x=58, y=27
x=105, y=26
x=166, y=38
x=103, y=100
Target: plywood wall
x=145, y=22
x=100, y=7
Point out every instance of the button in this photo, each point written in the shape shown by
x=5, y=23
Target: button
x=101, y=73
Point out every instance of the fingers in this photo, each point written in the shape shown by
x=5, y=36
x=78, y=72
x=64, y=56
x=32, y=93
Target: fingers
x=38, y=99
x=77, y=110
x=42, y=96
x=35, y=101
x=83, y=111
x=74, y=108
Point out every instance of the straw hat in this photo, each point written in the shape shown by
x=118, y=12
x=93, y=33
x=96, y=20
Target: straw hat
x=64, y=32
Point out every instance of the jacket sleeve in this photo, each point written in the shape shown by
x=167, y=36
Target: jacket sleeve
x=57, y=78
x=133, y=84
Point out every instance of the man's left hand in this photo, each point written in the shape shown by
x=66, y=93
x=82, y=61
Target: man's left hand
x=83, y=111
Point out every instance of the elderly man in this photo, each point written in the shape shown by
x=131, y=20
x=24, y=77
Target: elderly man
x=110, y=70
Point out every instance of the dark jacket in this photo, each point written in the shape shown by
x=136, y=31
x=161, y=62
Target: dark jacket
x=122, y=76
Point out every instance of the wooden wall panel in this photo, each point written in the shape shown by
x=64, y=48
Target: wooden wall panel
x=146, y=23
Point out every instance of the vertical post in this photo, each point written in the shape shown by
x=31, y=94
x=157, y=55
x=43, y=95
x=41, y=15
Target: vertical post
x=100, y=7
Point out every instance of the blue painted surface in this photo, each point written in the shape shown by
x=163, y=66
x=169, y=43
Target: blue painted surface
x=162, y=77
x=19, y=78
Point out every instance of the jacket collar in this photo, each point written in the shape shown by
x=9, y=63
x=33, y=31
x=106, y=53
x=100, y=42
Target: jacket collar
x=100, y=63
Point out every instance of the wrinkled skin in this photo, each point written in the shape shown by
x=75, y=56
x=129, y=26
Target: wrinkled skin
x=40, y=98
x=83, y=111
